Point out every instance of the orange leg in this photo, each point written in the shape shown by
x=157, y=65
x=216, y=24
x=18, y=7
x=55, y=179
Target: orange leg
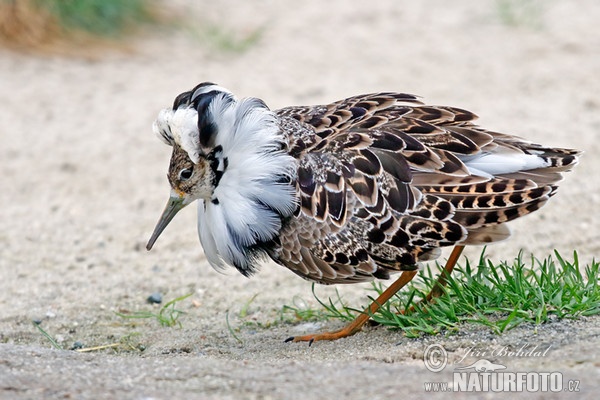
x=438, y=287
x=360, y=320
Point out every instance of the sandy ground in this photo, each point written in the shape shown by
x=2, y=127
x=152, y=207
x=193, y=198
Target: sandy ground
x=83, y=183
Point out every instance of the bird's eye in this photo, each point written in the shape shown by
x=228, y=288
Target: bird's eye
x=185, y=174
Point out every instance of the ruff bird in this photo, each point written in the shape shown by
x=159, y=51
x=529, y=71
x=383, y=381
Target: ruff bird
x=349, y=191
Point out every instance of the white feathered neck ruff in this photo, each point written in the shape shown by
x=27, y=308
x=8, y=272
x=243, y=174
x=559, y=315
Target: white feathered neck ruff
x=253, y=195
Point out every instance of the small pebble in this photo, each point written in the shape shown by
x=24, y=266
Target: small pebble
x=77, y=345
x=155, y=298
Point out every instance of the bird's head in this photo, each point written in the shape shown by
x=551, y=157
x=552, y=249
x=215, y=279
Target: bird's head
x=197, y=164
x=189, y=181
x=230, y=155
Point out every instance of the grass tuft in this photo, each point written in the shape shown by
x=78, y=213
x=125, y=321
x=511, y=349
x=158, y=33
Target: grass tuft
x=58, y=25
x=168, y=315
x=521, y=13
x=226, y=40
x=302, y=311
x=498, y=296
x=106, y=18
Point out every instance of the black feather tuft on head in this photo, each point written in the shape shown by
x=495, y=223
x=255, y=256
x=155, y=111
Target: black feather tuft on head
x=182, y=99
x=206, y=123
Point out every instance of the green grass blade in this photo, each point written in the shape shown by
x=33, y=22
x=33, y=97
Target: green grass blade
x=52, y=341
x=499, y=296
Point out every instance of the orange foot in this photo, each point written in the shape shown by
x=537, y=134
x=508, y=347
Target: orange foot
x=359, y=321
x=348, y=330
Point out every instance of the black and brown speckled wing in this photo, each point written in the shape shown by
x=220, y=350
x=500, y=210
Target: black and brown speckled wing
x=383, y=182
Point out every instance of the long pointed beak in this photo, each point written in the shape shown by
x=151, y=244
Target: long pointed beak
x=174, y=204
